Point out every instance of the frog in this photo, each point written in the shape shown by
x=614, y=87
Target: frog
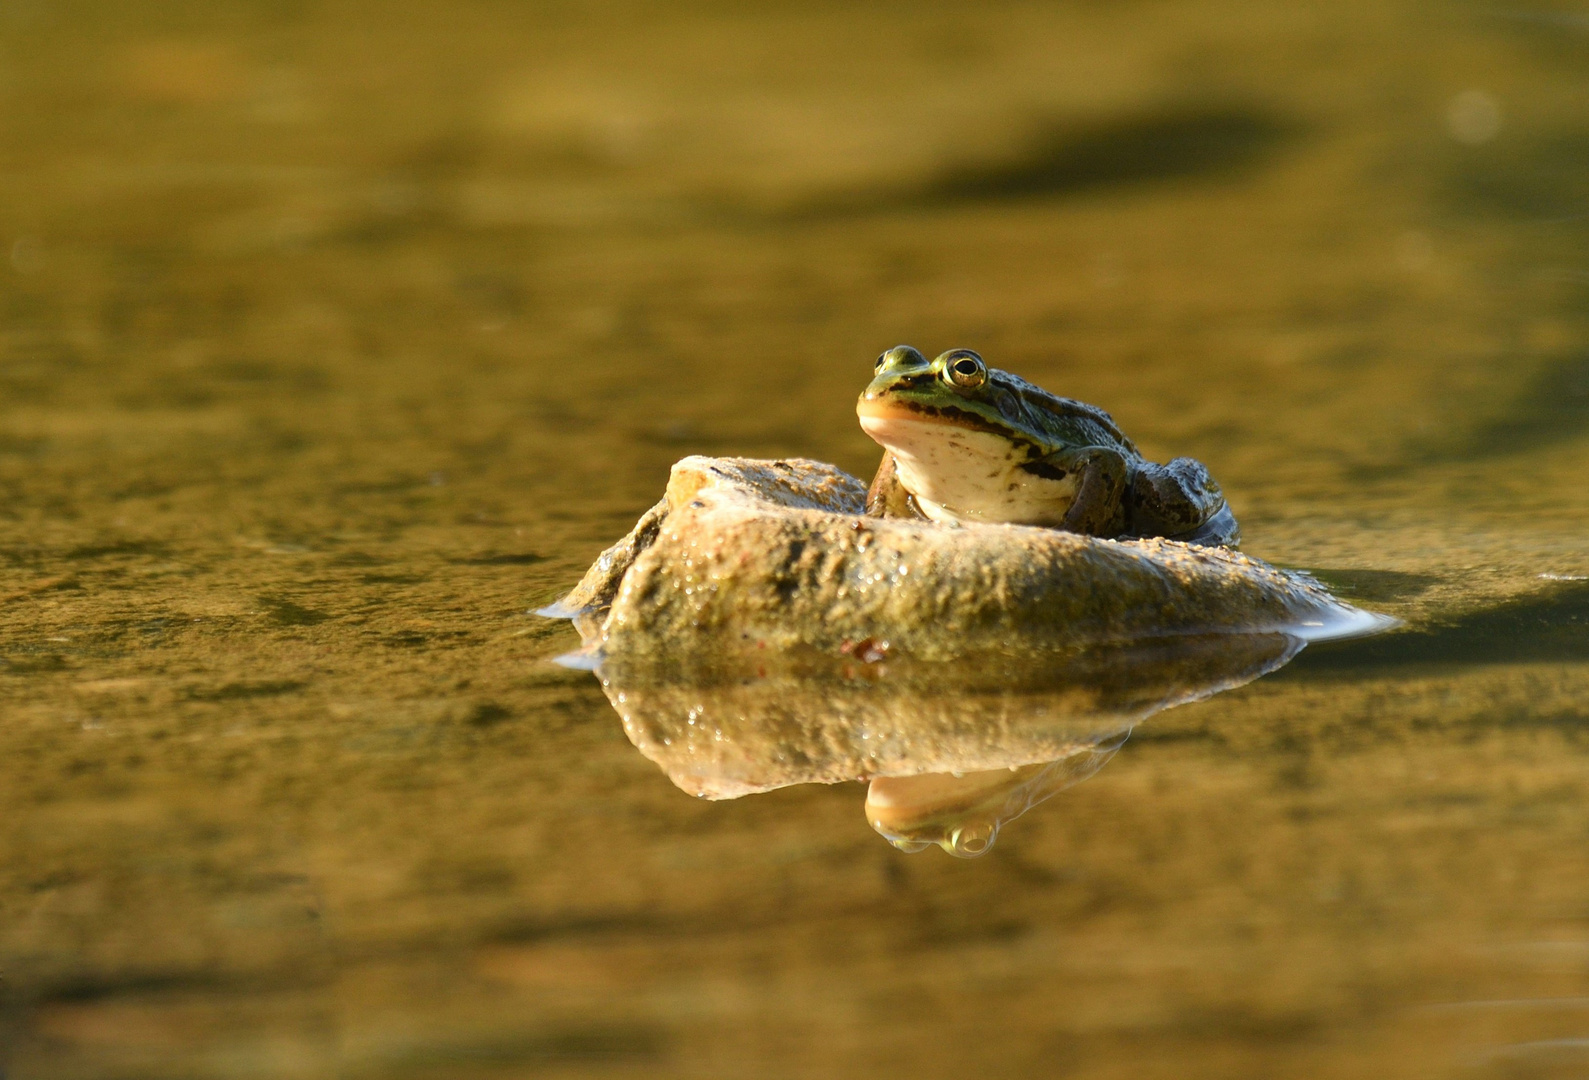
x=964, y=442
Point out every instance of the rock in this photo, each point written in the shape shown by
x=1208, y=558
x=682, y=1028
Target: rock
x=747, y=556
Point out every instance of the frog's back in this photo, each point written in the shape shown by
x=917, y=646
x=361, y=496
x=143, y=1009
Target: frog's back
x=1072, y=421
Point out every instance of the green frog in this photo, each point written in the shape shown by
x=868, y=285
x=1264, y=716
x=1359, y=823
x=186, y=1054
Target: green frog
x=966, y=442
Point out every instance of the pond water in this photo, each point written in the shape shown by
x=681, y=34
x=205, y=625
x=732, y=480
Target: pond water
x=336, y=338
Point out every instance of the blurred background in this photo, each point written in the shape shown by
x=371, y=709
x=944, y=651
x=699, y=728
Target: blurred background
x=336, y=336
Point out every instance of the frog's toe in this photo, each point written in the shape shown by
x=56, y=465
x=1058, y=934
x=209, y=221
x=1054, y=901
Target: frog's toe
x=1220, y=530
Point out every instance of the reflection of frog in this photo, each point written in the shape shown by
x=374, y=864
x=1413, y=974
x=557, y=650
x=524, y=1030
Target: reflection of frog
x=966, y=442
x=962, y=812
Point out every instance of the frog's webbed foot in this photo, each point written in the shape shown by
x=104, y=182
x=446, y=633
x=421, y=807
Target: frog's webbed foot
x=1099, y=506
x=1180, y=501
x=1220, y=530
x=887, y=497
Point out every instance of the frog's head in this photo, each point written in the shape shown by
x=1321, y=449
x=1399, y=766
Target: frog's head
x=955, y=389
x=965, y=442
x=961, y=814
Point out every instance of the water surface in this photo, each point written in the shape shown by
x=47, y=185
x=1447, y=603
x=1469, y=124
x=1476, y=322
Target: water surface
x=335, y=338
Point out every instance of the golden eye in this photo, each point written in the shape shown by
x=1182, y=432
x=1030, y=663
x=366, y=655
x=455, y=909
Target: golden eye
x=971, y=839
x=879, y=365
x=966, y=369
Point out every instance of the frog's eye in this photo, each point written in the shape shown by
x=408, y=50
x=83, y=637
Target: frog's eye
x=972, y=839
x=881, y=360
x=965, y=369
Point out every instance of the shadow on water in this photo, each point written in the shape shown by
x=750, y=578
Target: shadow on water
x=1540, y=178
x=1375, y=586
x=1552, y=407
x=1132, y=150
x=1065, y=159
x=1552, y=627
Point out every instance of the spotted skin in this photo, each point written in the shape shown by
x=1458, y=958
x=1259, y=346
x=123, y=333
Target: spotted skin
x=966, y=442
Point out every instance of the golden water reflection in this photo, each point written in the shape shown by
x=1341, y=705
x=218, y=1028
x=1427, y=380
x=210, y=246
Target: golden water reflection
x=335, y=337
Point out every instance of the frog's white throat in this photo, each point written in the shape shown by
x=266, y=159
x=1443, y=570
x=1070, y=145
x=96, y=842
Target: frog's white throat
x=957, y=474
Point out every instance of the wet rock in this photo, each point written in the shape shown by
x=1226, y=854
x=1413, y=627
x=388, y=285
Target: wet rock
x=744, y=555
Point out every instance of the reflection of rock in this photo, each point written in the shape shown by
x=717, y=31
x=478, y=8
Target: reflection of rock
x=744, y=729
x=754, y=631
x=762, y=555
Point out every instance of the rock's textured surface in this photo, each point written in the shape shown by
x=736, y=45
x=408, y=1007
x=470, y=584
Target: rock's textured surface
x=774, y=555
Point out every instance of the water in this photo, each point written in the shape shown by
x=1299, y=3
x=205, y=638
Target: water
x=335, y=339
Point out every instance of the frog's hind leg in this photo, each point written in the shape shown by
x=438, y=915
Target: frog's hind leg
x=887, y=497
x=1180, y=501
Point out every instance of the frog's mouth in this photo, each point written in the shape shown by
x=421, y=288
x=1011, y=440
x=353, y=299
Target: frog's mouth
x=878, y=415
x=899, y=425
x=907, y=430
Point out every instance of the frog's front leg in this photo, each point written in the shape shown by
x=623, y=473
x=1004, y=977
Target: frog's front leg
x=1098, y=508
x=1180, y=501
x=887, y=497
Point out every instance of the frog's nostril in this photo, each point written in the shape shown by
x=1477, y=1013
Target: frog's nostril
x=901, y=357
